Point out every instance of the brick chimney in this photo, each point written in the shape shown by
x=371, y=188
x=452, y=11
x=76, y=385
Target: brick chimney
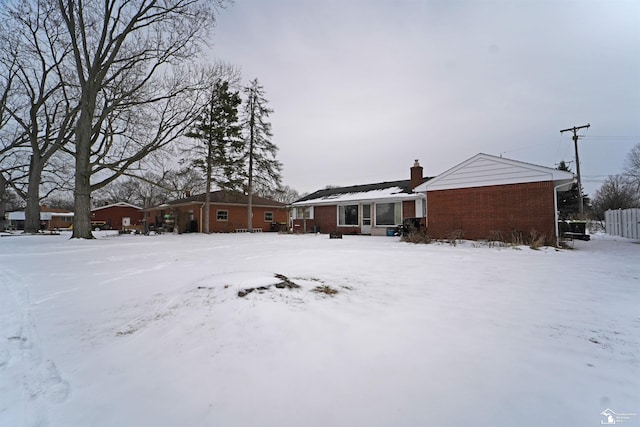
x=416, y=174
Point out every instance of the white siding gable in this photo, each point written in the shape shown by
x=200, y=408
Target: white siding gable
x=483, y=170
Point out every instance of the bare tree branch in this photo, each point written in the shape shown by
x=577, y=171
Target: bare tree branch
x=121, y=51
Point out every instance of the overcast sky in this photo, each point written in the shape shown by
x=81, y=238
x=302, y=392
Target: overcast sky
x=361, y=88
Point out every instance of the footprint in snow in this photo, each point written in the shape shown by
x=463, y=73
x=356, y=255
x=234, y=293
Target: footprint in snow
x=56, y=390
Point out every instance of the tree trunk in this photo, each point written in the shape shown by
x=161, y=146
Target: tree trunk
x=32, y=211
x=3, y=200
x=207, y=195
x=250, y=197
x=82, y=198
x=82, y=191
x=250, y=183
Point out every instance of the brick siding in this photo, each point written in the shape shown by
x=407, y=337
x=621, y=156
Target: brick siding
x=236, y=217
x=113, y=216
x=482, y=212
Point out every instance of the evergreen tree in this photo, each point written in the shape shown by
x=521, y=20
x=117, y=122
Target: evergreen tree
x=568, y=201
x=220, y=155
x=264, y=170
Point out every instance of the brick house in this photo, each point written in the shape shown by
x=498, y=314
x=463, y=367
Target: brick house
x=483, y=197
x=493, y=197
x=50, y=219
x=117, y=216
x=227, y=213
x=361, y=209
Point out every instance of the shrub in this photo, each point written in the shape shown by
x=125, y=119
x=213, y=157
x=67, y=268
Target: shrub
x=496, y=238
x=454, y=236
x=416, y=236
x=536, y=240
x=516, y=238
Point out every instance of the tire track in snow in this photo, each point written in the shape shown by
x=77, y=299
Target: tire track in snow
x=29, y=382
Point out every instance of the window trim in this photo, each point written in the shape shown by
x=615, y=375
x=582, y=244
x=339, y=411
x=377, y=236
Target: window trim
x=268, y=213
x=357, y=216
x=218, y=212
x=375, y=214
x=301, y=209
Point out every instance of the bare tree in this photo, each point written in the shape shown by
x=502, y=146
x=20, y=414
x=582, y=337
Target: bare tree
x=7, y=76
x=144, y=190
x=183, y=181
x=60, y=200
x=284, y=194
x=615, y=193
x=151, y=183
x=124, y=54
x=632, y=167
x=39, y=104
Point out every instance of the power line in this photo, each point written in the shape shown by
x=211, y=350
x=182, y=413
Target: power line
x=619, y=137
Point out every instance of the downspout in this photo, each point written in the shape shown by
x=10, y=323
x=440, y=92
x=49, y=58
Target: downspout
x=201, y=219
x=555, y=213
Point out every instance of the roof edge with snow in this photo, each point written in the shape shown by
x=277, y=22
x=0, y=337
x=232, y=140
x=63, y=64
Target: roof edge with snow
x=118, y=205
x=388, y=191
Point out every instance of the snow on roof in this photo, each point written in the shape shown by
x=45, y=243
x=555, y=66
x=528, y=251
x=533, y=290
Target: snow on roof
x=351, y=194
x=44, y=216
x=16, y=216
x=118, y=204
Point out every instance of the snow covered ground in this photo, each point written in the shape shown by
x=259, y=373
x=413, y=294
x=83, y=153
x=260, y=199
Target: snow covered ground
x=150, y=331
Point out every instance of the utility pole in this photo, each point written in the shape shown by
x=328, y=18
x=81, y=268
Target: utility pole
x=575, y=144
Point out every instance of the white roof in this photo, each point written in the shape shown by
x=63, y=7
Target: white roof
x=387, y=194
x=484, y=170
x=119, y=204
x=44, y=216
x=16, y=216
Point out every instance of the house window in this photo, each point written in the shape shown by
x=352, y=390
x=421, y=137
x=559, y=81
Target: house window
x=388, y=213
x=268, y=217
x=222, y=215
x=348, y=215
x=304, y=212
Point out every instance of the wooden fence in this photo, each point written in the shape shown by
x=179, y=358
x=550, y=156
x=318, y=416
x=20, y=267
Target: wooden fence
x=623, y=222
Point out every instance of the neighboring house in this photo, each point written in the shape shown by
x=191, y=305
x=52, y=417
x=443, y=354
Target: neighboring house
x=227, y=213
x=493, y=197
x=50, y=219
x=361, y=209
x=117, y=216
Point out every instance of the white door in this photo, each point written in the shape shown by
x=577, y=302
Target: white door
x=366, y=219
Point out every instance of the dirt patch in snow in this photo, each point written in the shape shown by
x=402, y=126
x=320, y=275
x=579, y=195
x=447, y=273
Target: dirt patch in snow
x=285, y=283
x=324, y=289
